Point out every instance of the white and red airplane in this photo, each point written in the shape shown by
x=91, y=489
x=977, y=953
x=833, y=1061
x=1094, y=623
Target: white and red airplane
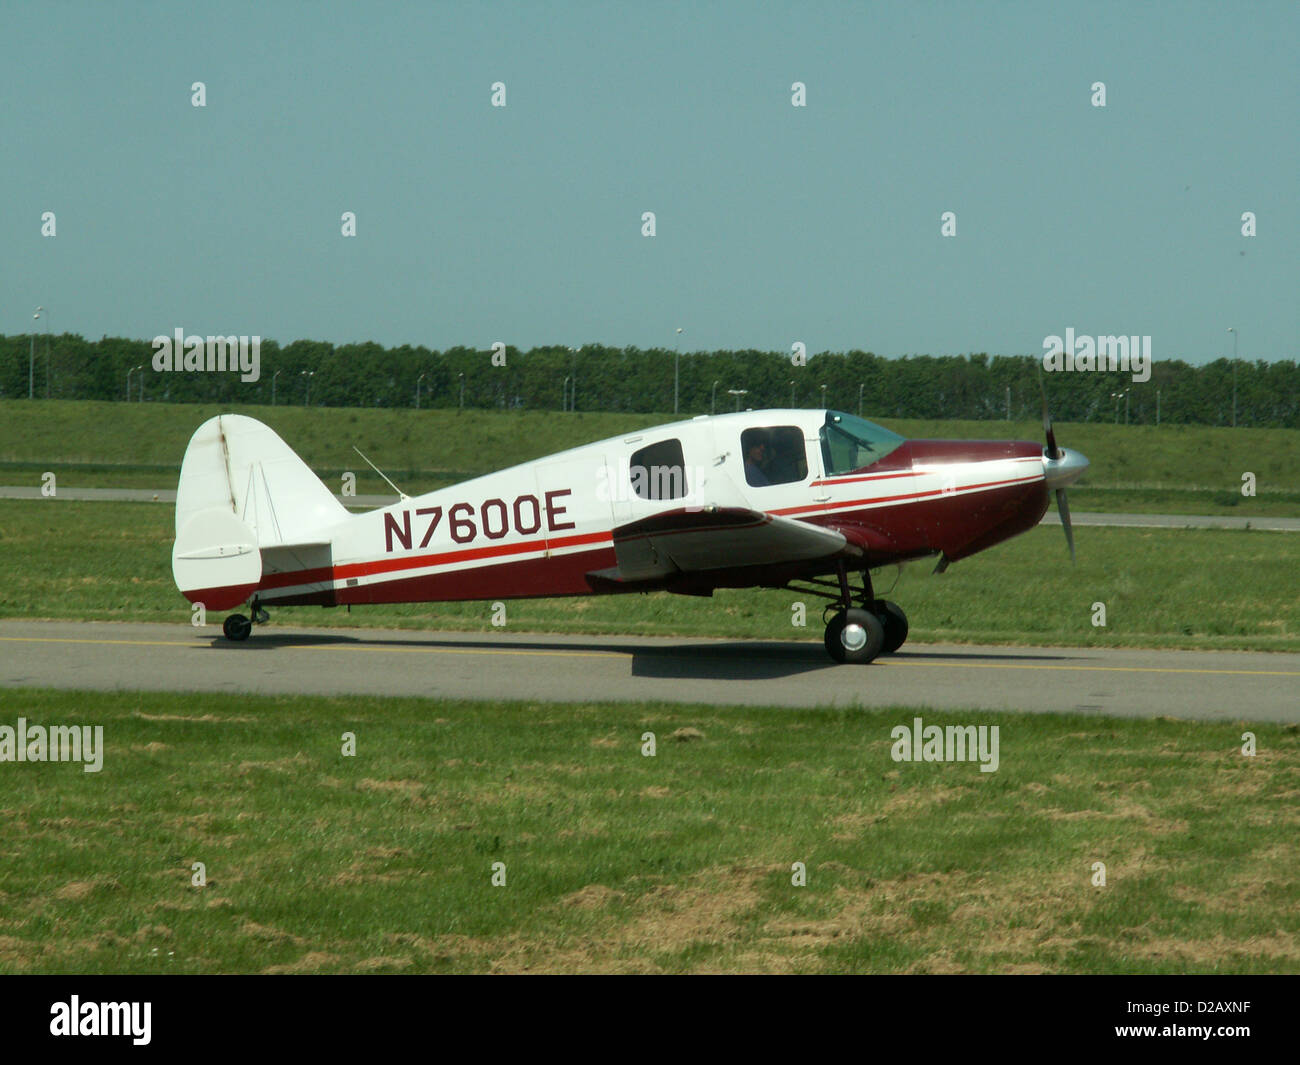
x=797, y=499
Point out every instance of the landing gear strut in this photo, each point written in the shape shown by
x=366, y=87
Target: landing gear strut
x=237, y=627
x=862, y=626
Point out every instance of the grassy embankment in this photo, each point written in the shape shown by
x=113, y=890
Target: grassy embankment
x=1170, y=469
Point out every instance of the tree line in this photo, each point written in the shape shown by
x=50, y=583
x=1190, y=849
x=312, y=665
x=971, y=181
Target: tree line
x=597, y=377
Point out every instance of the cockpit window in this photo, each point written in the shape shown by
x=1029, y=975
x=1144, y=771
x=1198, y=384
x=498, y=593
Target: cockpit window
x=850, y=443
x=774, y=455
x=658, y=471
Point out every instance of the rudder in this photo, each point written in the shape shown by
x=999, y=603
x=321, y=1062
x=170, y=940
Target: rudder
x=242, y=489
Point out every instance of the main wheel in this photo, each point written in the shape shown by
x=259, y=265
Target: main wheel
x=895, y=622
x=854, y=636
x=236, y=627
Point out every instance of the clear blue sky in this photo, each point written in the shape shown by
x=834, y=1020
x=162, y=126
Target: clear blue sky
x=775, y=224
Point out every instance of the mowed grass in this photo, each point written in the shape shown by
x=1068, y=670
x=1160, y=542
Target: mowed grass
x=1210, y=588
x=615, y=861
x=1175, y=469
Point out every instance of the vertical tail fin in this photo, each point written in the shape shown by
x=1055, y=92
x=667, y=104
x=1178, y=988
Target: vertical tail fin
x=242, y=489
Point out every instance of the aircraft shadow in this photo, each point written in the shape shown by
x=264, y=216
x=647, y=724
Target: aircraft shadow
x=744, y=660
x=716, y=660
x=728, y=661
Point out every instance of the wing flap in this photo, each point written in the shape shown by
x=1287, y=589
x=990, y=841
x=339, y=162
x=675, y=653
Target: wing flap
x=713, y=538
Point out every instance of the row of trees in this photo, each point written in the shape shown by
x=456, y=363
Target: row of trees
x=600, y=378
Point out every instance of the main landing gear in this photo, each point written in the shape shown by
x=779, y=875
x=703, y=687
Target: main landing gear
x=862, y=626
x=237, y=627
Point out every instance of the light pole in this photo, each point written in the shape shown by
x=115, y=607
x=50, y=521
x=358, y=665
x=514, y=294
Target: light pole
x=791, y=395
x=128, y=381
x=31, y=362
x=713, y=401
x=823, y=397
x=564, y=396
x=1117, y=396
x=738, y=392
x=1233, y=330
x=461, y=375
x=1157, y=406
x=677, y=358
x=46, y=312
x=1008, y=403
x=306, y=396
x=417, y=391
x=273, y=377
x=573, y=390
x=860, y=400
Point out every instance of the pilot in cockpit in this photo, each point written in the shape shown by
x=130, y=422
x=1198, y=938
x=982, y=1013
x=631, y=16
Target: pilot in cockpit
x=756, y=453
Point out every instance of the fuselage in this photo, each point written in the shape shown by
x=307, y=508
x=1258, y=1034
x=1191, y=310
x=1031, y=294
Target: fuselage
x=543, y=527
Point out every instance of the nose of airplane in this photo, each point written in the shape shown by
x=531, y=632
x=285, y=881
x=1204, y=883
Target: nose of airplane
x=1066, y=468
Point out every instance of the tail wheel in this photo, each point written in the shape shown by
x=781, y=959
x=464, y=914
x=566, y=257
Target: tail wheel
x=236, y=627
x=854, y=636
x=895, y=623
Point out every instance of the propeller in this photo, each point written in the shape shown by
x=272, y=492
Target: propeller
x=1063, y=509
x=1062, y=467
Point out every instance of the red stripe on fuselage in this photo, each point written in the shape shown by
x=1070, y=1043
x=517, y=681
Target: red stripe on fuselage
x=393, y=565
x=835, y=481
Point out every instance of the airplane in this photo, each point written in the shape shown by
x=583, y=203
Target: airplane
x=803, y=500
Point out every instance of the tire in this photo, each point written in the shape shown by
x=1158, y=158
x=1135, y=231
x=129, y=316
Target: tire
x=895, y=623
x=237, y=627
x=854, y=636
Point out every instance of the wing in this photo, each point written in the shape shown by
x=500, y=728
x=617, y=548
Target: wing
x=710, y=538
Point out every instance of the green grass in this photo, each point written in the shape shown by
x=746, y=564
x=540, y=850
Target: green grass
x=1175, y=469
x=84, y=441
x=618, y=862
x=1162, y=588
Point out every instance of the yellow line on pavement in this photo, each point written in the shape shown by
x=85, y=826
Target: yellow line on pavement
x=560, y=653
x=320, y=647
x=83, y=639
x=1096, y=669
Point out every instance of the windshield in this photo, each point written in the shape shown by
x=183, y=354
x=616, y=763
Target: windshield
x=849, y=443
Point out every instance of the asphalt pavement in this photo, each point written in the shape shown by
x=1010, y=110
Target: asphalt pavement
x=1201, y=685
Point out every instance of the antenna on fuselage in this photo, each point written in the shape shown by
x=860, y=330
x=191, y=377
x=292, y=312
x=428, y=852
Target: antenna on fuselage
x=381, y=473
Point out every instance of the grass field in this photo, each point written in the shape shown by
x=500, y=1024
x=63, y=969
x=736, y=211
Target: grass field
x=681, y=862
x=1162, y=588
x=614, y=861
x=1171, y=469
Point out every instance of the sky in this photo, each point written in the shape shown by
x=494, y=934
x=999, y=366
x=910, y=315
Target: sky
x=774, y=224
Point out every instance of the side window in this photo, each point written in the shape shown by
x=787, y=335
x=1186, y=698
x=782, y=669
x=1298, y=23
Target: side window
x=658, y=471
x=774, y=456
